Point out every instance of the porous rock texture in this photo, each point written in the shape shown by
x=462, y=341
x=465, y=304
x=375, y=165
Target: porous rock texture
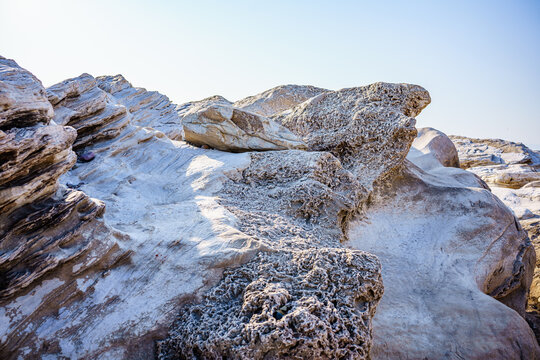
x=315, y=303
x=369, y=128
x=185, y=229
x=278, y=99
x=455, y=262
x=221, y=126
x=511, y=170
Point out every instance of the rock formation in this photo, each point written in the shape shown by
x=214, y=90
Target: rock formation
x=80, y=103
x=511, y=170
x=47, y=231
x=206, y=253
x=227, y=128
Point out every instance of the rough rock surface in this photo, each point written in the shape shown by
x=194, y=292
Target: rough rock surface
x=23, y=101
x=80, y=103
x=315, y=303
x=46, y=230
x=444, y=242
x=370, y=128
x=213, y=123
x=147, y=108
x=186, y=226
x=278, y=99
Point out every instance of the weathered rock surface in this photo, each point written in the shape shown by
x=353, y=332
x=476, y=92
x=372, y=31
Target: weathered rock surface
x=370, y=128
x=444, y=242
x=278, y=99
x=23, y=101
x=80, y=103
x=258, y=236
x=305, y=304
x=48, y=234
x=511, y=170
x=213, y=123
x=147, y=108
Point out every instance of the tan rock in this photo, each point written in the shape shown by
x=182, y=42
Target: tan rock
x=436, y=144
x=228, y=128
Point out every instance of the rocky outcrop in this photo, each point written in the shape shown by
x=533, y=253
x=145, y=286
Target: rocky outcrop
x=451, y=285
x=278, y=99
x=224, y=127
x=23, y=101
x=370, y=129
x=43, y=226
x=308, y=303
x=147, y=108
x=219, y=254
x=80, y=103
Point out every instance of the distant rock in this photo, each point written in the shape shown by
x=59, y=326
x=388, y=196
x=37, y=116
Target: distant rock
x=147, y=108
x=214, y=123
x=80, y=103
x=23, y=101
x=278, y=99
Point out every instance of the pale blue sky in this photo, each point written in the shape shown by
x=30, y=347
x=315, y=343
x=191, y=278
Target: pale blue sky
x=480, y=60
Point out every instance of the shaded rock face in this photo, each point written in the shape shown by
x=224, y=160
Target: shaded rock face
x=23, y=101
x=370, y=128
x=224, y=127
x=307, y=303
x=454, y=269
x=80, y=103
x=48, y=233
x=278, y=99
x=147, y=108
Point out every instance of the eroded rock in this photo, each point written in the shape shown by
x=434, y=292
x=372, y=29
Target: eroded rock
x=80, y=103
x=23, y=101
x=309, y=303
x=228, y=128
x=368, y=128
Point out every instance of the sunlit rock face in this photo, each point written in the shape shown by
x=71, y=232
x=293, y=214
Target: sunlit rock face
x=511, y=170
x=194, y=252
x=147, y=108
x=455, y=262
x=50, y=235
x=224, y=127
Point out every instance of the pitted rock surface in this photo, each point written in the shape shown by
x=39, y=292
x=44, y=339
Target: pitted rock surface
x=315, y=303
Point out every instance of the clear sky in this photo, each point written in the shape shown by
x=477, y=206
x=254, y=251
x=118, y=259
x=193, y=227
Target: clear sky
x=480, y=60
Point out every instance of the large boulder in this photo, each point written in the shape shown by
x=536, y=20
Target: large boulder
x=435, y=144
x=456, y=266
x=227, y=128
